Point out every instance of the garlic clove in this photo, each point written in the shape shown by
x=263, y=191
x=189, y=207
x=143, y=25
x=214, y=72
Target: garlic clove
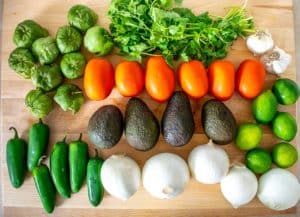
x=260, y=42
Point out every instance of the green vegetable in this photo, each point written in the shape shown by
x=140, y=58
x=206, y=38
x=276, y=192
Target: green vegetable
x=78, y=157
x=82, y=17
x=69, y=97
x=93, y=180
x=27, y=32
x=38, y=142
x=22, y=61
x=59, y=168
x=97, y=40
x=45, y=50
x=68, y=39
x=38, y=103
x=44, y=186
x=47, y=77
x=16, y=159
x=72, y=65
x=144, y=27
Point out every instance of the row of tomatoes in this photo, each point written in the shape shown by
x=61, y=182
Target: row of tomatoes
x=220, y=79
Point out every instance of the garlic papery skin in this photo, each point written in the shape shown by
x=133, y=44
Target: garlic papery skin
x=260, y=42
x=276, y=61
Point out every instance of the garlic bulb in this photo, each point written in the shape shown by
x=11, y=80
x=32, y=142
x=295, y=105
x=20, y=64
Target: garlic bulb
x=260, y=42
x=276, y=61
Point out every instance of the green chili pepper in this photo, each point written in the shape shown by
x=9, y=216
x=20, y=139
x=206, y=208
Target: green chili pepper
x=44, y=186
x=78, y=156
x=93, y=179
x=59, y=168
x=16, y=159
x=37, y=145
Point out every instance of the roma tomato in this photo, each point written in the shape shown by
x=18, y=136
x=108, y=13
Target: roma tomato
x=193, y=78
x=160, y=79
x=98, y=78
x=221, y=76
x=129, y=78
x=250, y=78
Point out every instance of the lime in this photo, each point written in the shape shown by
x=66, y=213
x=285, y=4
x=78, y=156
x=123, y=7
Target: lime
x=284, y=155
x=258, y=160
x=286, y=91
x=249, y=136
x=284, y=126
x=264, y=107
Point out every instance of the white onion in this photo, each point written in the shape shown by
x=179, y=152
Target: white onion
x=165, y=175
x=278, y=189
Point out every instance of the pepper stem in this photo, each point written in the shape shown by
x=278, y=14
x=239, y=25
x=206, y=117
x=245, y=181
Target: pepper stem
x=80, y=136
x=64, y=139
x=41, y=160
x=40, y=121
x=16, y=136
x=96, y=152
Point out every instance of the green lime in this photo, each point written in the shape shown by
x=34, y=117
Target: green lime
x=264, y=107
x=284, y=126
x=286, y=90
x=258, y=160
x=284, y=155
x=249, y=136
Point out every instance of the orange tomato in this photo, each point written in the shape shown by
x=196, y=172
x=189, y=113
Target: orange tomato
x=221, y=76
x=193, y=78
x=250, y=79
x=98, y=78
x=160, y=79
x=129, y=78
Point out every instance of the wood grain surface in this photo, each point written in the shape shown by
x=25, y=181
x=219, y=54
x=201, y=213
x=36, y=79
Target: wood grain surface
x=197, y=199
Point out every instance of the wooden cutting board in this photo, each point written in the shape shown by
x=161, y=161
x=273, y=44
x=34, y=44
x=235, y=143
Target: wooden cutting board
x=197, y=199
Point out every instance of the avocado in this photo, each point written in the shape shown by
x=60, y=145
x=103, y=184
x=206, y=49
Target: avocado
x=105, y=127
x=177, y=123
x=141, y=126
x=218, y=122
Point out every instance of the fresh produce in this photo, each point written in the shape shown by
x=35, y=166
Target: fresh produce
x=98, y=78
x=68, y=39
x=82, y=17
x=177, y=123
x=218, y=122
x=69, y=97
x=258, y=160
x=165, y=175
x=264, y=107
x=284, y=155
x=239, y=187
x=276, y=61
x=93, y=180
x=59, y=168
x=284, y=126
x=27, y=32
x=278, y=189
x=193, y=78
x=286, y=91
x=16, y=149
x=44, y=186
x=120, y=176
x=129, y=78
x=160, y=79
x=260, y=42
x=249, y=136
x=105, y=127
x=250, y=78
x=221, y=77
x=22, y=61
x=45, y=49
x=37, y=144
x=144, y=27
x=72, y=65
x=141, y=125
x=39, y=103
x=208, y=163
x=47, y=77
x=98, y=41
x=78, y=158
